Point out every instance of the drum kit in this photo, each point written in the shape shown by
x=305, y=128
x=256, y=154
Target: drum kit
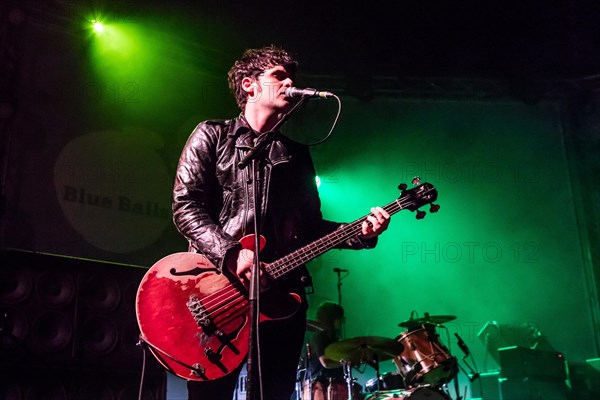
x=423, y=364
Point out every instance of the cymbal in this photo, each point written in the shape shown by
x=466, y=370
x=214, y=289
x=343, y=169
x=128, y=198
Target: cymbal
x=427, y=319
x=314, y=326
x=364, y=349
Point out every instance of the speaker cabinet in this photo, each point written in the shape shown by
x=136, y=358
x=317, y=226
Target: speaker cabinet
x=487, y=386
x=585, y=379
x=68, y=329
x=522, y=362
x=533, y=389
x=531, y=374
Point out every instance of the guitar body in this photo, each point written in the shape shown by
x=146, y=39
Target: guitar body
x=196, y=320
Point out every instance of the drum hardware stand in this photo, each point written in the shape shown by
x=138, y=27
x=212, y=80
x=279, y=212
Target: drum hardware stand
x=347, y=364
x=472, y=375
x=375, y=365
x=307, y=375
x=457, y=388
x=299, y=382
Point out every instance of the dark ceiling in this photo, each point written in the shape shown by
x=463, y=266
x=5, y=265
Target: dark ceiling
x=509, y=39
x=500, y=39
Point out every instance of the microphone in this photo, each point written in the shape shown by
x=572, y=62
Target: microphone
x=307, y=92
x=338, y=270
x=462, y=345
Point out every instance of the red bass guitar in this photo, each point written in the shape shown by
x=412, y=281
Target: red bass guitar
x=195, y=320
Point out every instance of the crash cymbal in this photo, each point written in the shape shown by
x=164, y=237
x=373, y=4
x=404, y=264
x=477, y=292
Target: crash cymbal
x=427, y=319
x=314, y=326
x=364, y=349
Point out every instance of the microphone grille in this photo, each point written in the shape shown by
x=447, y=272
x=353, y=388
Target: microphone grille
x=289, y=92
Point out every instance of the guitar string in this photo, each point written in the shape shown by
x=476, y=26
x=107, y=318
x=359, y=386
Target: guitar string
x=229, y=295
x=333, y=238
x=237, y=303
x=349, y=230
x=346, y=232
x=282, y=266
x=276, y=270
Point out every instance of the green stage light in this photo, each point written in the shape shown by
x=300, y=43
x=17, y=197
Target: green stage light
x=98, y=27
x=318, y=181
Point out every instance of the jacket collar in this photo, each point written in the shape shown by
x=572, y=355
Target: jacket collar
x=245, y=135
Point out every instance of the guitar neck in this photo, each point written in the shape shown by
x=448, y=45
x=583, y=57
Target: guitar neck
x=288, y=263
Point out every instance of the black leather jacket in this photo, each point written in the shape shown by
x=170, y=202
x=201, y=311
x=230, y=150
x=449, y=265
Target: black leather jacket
x=213, y=203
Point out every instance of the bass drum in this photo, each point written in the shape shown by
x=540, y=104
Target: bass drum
x=418, y=393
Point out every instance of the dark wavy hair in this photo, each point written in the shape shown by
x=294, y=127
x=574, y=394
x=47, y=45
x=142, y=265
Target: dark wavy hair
x=328, y=312
x=254, y=62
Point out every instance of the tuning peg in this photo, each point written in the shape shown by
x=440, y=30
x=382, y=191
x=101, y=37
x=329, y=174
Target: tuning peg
x=420, y=214
x=402, y=186
x=416, y=181
x=434, y=208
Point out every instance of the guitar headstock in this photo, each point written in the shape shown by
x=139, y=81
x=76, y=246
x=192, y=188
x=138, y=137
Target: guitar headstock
x=420, y=195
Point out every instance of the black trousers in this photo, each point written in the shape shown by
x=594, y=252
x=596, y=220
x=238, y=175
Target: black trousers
x=280, y=346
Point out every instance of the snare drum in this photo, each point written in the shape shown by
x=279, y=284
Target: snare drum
x=418, y=393
x=424, y=359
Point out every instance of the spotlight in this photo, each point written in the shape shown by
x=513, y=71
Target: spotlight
x=98, y=26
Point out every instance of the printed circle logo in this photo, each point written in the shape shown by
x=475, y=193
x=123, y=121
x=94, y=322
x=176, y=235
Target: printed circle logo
x=114, y=188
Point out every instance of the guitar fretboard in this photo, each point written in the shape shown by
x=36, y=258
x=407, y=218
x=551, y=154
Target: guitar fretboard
x=286, y=264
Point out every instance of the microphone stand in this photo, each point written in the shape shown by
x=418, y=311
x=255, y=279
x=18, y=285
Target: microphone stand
x=339, y=282
x=253, y=154
x=472, y=375
x=339, y=289
x=307, y=373
x=456, y=385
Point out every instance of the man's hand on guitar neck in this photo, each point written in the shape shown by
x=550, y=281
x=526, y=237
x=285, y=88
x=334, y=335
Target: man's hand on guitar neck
x=377, y=222
x=241, y=263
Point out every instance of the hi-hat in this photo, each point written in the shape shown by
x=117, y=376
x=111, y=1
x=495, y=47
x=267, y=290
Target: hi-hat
x=364, y=349
x=427, y=320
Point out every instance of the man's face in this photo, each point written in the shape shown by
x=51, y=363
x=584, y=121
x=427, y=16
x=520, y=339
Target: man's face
x=270, y=88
